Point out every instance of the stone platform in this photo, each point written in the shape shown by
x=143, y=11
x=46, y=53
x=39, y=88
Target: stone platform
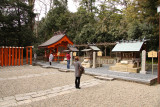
x=147, y=79
x=125, y=68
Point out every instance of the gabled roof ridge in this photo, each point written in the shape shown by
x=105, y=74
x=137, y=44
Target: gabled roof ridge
x=53, y=39
x=128, y=46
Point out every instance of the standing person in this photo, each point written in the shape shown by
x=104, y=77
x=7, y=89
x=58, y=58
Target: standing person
x=77, y=64
x=68, y=60
x=35, y=57
x=50, y=58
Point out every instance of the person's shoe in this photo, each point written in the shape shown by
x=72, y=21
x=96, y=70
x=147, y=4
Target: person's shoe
x=78, y=88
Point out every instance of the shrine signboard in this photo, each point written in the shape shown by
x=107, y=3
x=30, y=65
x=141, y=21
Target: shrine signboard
x=152, y=54
x=99, y=53
x=74, y=53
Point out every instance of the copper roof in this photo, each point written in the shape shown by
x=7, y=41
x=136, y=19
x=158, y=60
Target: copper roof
x=128, y=46
x=94, y=48
x=74, y=49
x=52, y=40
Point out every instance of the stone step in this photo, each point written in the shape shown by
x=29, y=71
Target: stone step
x=45, y=66
x=64, y=70
x=104, y=78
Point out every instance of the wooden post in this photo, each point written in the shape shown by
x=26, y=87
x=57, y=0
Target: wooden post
x=2, y=56
x=16, y=56
x=45, y=54
x=110, y=52
x=30, y=55
x=105, y=51
x=5, y=58
x=19, y=55
x=13, y=56
x=22, y=55
x=26, y=55
x=9, y=56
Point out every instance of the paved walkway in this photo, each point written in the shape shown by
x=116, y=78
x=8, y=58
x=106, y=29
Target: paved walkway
x=148, y=78
x=27, y=76
x=27, y=98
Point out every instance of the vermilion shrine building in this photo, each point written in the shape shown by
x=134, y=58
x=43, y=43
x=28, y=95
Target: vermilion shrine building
x=56, y=44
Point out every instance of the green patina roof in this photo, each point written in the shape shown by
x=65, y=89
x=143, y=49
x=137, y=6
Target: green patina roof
x=134, y=46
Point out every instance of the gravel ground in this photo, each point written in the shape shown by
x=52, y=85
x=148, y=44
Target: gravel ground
x=11, y=71
x=26, y=85
x=107, y=94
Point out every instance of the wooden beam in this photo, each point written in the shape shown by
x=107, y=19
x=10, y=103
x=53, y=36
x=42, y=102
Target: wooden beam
x=97, y=44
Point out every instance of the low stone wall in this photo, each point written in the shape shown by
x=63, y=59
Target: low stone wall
x=102, y=60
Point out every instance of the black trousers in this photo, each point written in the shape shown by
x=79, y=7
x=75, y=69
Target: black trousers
x=77, y=82
x=50, y=63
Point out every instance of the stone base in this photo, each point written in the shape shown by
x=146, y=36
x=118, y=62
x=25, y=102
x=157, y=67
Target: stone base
x=86, y=65
x=104, y=78
x=124, y=68
x=63, y=62
x=143, y=72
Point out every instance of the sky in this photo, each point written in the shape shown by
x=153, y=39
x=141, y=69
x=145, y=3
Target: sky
x=41, y=7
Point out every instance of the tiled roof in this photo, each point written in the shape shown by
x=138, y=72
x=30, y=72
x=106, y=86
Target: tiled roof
x=52, y=40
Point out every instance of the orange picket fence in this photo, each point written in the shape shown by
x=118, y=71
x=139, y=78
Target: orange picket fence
x=13, y=56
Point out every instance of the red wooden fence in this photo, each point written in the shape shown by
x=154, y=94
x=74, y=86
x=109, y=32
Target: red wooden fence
x=13, y=56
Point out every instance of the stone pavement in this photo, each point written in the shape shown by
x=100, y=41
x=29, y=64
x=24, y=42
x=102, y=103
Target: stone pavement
x=148, y=78
x=27, y=98
x=27, y=76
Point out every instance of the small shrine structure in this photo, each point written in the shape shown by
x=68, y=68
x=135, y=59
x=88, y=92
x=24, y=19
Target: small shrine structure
x=128, y=56
x=56, y=45
x=90, y=57
x=73, y=52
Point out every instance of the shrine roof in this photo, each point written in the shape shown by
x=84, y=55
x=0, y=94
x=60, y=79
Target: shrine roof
x=86, y=50
x=95, y=48
x=54, y=39
x=74, y=49
x=133, y=46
